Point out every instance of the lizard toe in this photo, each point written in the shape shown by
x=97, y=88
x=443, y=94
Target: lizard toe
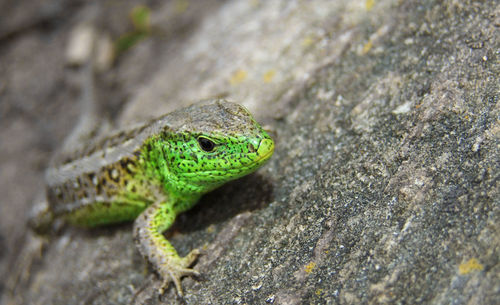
x=189, y=259
x=174, y=273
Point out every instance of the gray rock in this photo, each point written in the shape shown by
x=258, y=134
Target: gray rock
x=384, y=187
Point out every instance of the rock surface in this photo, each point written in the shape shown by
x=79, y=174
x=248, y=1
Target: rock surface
x=384, y=187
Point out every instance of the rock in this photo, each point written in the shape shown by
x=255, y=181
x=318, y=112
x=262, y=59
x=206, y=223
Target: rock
x=384, y=184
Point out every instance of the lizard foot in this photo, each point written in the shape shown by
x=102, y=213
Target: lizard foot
x=175, y=270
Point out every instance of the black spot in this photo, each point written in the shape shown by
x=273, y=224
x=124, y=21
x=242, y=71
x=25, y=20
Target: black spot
x=116, y=176
x=98, y=188
x=125, y=165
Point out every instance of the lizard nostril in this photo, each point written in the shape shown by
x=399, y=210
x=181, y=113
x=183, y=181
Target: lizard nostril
x=251, y=148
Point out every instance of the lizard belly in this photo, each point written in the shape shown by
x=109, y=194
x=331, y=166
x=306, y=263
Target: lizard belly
x=105, y=212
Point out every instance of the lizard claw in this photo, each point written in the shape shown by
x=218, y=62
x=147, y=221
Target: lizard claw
x=174, y=271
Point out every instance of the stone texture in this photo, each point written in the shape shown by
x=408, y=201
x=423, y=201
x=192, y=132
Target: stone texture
x=384, y=188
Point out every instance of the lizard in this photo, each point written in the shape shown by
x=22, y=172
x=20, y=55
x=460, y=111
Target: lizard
x=153, y=172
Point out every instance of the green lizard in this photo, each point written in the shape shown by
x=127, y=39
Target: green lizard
x=152, y=173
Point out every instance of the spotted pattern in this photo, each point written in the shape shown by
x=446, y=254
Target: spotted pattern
x=103, y=186
x=156, y=172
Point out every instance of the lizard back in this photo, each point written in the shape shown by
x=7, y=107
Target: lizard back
x=99, y=171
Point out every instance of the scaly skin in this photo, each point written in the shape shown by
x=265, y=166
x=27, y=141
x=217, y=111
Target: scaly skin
x=153, y=173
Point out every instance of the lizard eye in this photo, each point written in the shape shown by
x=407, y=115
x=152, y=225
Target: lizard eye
x=206, y=144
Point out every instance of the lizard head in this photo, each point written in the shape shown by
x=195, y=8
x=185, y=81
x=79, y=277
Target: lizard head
x=211, y=143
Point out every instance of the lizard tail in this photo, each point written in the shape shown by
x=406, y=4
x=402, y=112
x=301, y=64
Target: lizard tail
x=41, y=219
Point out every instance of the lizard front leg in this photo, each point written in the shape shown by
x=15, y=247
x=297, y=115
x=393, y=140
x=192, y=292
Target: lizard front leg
x=148, y=229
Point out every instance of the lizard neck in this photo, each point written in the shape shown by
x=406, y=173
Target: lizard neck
x=156, y=161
